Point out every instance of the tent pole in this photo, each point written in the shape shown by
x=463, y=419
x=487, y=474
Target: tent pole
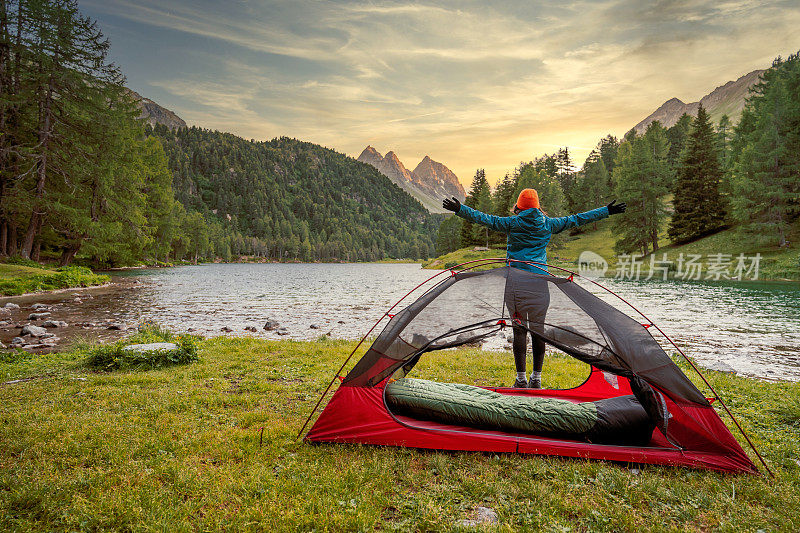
x=718, y=397
x=333, y=380
x=716, y=394
x=506, y=261
x=694, y=367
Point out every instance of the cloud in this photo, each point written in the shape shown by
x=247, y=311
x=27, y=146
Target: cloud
x=470, y=83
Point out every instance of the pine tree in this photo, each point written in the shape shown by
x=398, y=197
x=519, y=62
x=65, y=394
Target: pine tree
x=503, y=200
x=677, y=135
x=566, y=177
x=547, y=164
x=699, y=208
x=483, y=203
x=592, y=189
x=723, y=137
x=70, y=76
x=551, y=196
x=449, y=236
x=765, y=154
x=99, y=209
x=660, y=178
x=159, y=202
x=630, y=227
x=477, y=192
x=641, y=178
x=608, y=147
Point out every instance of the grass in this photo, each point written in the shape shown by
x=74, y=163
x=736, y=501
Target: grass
x=178, y=449
x=12, y=271
x=599, y=241
x=114, y=357
x=396, y=261
x=18, y=279
x=462, y=256
x=776, y=263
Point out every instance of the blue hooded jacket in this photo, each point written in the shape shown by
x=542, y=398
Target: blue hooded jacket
x=529, y=232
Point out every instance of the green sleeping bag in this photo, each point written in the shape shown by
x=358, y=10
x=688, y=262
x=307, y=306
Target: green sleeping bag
x=615, y=420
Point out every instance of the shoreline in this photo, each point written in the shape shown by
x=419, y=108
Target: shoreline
x=20, y=280
x=104, y=312
x=270, y=262
x=62, y=290
x=111, y=271
x=428, y=265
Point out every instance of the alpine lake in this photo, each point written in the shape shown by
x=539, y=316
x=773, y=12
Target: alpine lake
x=751, y=328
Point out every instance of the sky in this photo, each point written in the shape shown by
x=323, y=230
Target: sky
x=471, y=84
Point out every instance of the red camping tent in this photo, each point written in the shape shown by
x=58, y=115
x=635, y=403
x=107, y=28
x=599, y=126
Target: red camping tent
x=470, y=305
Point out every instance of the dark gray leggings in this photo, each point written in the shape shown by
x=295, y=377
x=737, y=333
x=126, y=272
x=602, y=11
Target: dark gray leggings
x=521, y=350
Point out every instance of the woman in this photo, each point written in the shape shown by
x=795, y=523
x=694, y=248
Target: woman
x=529, y=233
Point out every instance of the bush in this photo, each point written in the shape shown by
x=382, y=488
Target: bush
x=113, y=357
x=63, y=278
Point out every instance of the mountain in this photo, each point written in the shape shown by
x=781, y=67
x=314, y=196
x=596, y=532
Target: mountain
x=371, y=157
x=429, y=182
x=392, y=167
x=155, y=114
x=727, y=99
x=289, y=199
x=437, y=179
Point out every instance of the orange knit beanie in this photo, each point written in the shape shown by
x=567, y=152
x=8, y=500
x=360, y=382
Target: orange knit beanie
x=528, y=199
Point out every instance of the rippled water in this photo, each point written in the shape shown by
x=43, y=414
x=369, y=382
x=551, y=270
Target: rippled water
x=753, y=327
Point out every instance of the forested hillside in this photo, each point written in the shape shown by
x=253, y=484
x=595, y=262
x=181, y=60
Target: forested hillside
x=288, y=199
x=81, y=177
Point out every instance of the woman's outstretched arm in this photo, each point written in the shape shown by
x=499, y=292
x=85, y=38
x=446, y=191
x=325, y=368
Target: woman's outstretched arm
x=494, y=222
x=559, y=224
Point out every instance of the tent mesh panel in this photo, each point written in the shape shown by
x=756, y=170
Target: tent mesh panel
x=471, y=305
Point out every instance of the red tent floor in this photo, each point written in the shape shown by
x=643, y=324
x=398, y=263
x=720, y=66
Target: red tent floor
x=359, y=415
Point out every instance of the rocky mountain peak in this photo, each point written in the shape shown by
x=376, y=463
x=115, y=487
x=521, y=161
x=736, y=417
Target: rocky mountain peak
x=429, y=182
x=392, y=167
x=727, y=99
x=371, y=151
x=155, y=114
x=440, y=180
x=391, y=156
x=370, y=156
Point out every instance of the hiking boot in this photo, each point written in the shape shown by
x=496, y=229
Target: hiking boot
x=520, y=384
x=535, y=384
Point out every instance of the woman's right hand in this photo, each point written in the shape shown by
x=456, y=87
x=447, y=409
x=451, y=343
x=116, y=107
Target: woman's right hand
x=614, y=208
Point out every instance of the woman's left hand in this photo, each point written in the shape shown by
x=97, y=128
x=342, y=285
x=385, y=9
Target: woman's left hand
x=451, y=204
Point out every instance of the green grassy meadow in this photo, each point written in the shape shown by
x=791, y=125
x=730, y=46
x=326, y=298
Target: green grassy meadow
x=30, y=277
x=11, y=271
x=179, y=448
